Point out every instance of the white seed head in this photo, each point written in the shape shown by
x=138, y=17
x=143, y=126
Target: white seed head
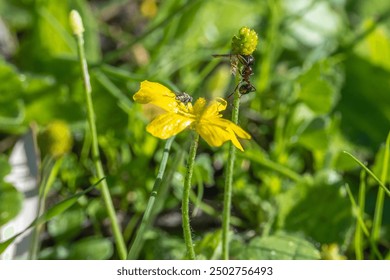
x=76, y=23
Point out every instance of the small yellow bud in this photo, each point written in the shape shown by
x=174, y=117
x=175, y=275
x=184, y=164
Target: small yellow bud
x=149, y=8
x=56, y=139
x=246, y=41
x=76, y=23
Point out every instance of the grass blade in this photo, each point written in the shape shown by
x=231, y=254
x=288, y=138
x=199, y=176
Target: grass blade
x=370, y=173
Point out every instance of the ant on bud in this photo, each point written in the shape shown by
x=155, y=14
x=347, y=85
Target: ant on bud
x=244, y=86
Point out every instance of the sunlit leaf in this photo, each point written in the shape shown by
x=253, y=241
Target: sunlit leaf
x=66, y=225
x=10, y=202
x=280, y=246
x=316, y=90
x=91, y=248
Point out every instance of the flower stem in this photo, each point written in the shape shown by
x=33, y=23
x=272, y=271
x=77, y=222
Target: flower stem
x=138, y=241
x=227, y=198
x=186, y=199
x=120, y=244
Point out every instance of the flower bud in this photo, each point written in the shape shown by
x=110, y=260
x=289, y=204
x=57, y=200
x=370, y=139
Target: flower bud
x=76, y=23
x=56, y=139
x=246, y=41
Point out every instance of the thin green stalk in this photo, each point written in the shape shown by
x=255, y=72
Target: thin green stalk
x=359, y=218
x=227, y=197
x=358, y=231
x=381, y=184
x=380, y=199
x=186, y=199
x=139, y=238
x=120, y=244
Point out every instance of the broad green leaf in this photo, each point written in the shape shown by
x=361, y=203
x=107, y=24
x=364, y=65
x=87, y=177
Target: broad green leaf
x=376, y=46
x=162, y=246
x=49, y=37
x=318, y=95
x=91, y=248
x=66, y=225
x=365, y=103
x=10, y=202
x=315, y=136
x=11, y=103
x=46, y=100
x=320, y=211
x=315, y=89
x=280, y=246
x=11, y=90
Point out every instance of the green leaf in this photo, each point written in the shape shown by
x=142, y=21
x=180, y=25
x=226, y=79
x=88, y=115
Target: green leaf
x=48, y=38
x=365, y=103
x=280, y=246
x=63, y=205
x=376, y=46
x=162, y=246
x=46, y=100
x=315, y=136
x=318, y=95
x=11, y=103
x=210, y=246
x=203, y=169
x=50, y=213
x=315, y=89
x=10, y=202
x=91, y=248
x=66, y=225
x=5, y=168
x=331, y=217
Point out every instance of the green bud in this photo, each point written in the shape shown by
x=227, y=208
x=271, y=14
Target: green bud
x=246, y=41
x=76, y=23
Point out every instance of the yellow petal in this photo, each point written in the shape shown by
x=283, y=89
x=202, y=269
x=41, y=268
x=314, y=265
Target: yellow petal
x=198, y=107
x=156, y=94
x=214, y=136
x=214, y=108
x=216, y=131
x=235, y=128
x=168, y=125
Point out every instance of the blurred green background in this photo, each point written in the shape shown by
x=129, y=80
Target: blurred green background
x=322, y=74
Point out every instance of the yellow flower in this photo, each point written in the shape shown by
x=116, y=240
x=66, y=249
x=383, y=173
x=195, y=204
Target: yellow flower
x=206, y=120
